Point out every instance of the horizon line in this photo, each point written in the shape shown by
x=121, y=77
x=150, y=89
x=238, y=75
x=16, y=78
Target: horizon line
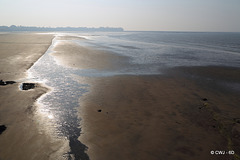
x=121, y=29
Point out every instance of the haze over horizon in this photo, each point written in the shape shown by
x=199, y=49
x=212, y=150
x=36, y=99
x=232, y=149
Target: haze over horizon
x=138, y=15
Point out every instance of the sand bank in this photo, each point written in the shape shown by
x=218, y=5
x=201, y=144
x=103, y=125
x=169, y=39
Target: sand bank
x=22, y=139
x=72, y=55
x=172, y=116
x=20, y=51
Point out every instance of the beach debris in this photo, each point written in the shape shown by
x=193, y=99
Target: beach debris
x=99, y=110
x=4, y=83
x=27, y=86
x=2, y=128
x=205, y=104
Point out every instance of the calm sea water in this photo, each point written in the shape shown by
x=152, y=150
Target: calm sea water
x=145, y=52
x=171, y=49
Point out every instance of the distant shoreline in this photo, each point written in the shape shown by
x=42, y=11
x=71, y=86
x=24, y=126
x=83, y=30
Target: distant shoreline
x=14, y=28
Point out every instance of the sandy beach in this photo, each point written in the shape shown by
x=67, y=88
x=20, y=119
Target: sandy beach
x=159, y=117
x=22, y=139
x=182, y=113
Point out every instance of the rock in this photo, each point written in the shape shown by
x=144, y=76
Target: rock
x=27, y=86
x=99, y=110
x=4, y=83
x=2, y=128
x=10, y=82
x=205, y=99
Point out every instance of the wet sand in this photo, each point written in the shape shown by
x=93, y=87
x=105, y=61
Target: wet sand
x=170, y=116
x=22, y=139
x=184, y=113
x=19, y=51
x=76, y=56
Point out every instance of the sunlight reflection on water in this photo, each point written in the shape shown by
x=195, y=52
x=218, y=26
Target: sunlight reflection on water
x=57, y=110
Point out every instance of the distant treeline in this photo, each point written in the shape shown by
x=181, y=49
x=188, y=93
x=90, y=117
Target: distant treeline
x=13, y=28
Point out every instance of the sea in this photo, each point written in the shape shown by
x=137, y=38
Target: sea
x=146, y=53
x=171, y=49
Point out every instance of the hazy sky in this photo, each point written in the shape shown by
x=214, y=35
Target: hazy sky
x=161, y=15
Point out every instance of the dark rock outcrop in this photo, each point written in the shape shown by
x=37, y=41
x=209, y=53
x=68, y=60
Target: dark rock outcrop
x=4, y=83
x=2, y=128
x=27, y=86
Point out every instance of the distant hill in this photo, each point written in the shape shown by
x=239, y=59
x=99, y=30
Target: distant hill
x=13, y=28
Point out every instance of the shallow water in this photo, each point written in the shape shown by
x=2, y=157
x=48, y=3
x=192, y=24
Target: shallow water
x=170, y=49
x=58, y=108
